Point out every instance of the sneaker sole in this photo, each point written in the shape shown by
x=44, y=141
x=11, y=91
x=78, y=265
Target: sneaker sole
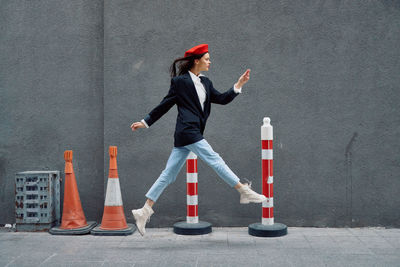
x=248, y=201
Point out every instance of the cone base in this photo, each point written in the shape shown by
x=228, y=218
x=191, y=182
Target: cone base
x=73, y=224
x=274, y=230
x=200, y=228
x=77, y=231
x=113, y=218
x=128, y=231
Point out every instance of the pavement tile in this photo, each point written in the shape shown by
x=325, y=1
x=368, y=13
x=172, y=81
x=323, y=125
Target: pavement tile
x=356, y=250
x=389, y=260
x=239, y=237
x=278, y=257
x=386, y=251
x=139, y=256
x=299, y=251
x=179, y=263
x=215, y=236
x=393, y=241
x=7, y=262
x=117, y=263
x=328, y=251
x=228, y=260
x=339, y=232
x=293, y=236
x=232, y=229
x=361, y=260
x=269, y=252
x=105, y=239
x=10, y=250
x=375, y=242
x=238, y=244
x=161, y=247
x=346, y=239
x=155, y=245
x=4, y=262
x=32, y=258
x=84, y=264
x=151, y=263
x=313, y=231
x=281, y=262
x=388, y=232
x=332, y=260
x=324, y=241
x=188, y=237
x=290, y=238
x=11, y=237
x=363, y=231
x=217, y=248
x=306, y=260
x=295, y=242
x=268, y=242
x=236, y=230
x=183, y=260
x=59, y=257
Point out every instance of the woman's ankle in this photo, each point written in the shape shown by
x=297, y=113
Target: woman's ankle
x=149, y=203
x=238, y=185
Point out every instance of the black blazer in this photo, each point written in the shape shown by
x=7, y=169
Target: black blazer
x=191, y=119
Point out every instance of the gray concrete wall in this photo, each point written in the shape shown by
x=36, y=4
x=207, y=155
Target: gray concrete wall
x=326, y=72
x=51, y=82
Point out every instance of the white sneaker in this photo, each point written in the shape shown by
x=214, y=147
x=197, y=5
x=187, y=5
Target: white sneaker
x=247, y=195
x=142, y=216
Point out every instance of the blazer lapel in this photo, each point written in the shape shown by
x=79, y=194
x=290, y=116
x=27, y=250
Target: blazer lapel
x=193, y=92
x=205, y=84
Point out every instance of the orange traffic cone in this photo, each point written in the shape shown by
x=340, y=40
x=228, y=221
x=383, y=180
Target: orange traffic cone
x=73, y=220
x=113, y=222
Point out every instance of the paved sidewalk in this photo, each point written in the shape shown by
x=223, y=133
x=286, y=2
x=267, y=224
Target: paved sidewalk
x=223, y=247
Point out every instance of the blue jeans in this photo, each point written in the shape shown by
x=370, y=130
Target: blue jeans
x=178, y=158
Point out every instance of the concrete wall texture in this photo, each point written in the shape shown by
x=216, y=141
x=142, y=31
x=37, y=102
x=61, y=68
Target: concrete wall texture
x=76, y=74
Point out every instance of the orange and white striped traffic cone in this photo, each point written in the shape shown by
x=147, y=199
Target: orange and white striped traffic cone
x=113, y=222
x=73, y=220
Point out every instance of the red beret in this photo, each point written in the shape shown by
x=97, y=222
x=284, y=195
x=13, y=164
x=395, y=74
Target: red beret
x=197, y=50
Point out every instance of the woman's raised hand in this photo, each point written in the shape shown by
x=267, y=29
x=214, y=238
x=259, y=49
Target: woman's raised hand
x=137, y=125
x=243, y=79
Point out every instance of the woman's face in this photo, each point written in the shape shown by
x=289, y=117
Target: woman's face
x=204, y=62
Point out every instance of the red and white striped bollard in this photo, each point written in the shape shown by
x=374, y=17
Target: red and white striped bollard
x=192, y=225
x=267, y=172
x=192, y=189
x=267, y=227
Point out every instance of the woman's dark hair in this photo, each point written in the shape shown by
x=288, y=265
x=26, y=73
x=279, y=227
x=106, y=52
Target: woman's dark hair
x=184, y=64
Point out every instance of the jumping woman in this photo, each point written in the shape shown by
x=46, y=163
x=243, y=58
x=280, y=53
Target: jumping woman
x=193, y=93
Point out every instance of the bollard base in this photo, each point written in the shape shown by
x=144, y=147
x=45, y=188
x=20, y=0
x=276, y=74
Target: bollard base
x=200, y=228
x=274, y=230
x=77, y=231
x=128, y=231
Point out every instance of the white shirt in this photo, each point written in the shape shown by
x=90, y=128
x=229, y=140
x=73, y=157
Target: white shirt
x=201, y=91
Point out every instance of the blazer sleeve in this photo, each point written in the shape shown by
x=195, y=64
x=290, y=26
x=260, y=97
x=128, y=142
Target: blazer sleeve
x=165, y=105
x=221, y=98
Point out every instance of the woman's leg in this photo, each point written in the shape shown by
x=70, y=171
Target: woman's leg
x=203, y=149
x=175, y=163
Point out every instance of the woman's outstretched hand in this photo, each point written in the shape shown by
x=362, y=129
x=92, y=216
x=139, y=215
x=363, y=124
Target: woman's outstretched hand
x=243, y=79
x=137, y=125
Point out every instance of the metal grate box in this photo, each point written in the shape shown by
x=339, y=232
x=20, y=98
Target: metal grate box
x=37, y=200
